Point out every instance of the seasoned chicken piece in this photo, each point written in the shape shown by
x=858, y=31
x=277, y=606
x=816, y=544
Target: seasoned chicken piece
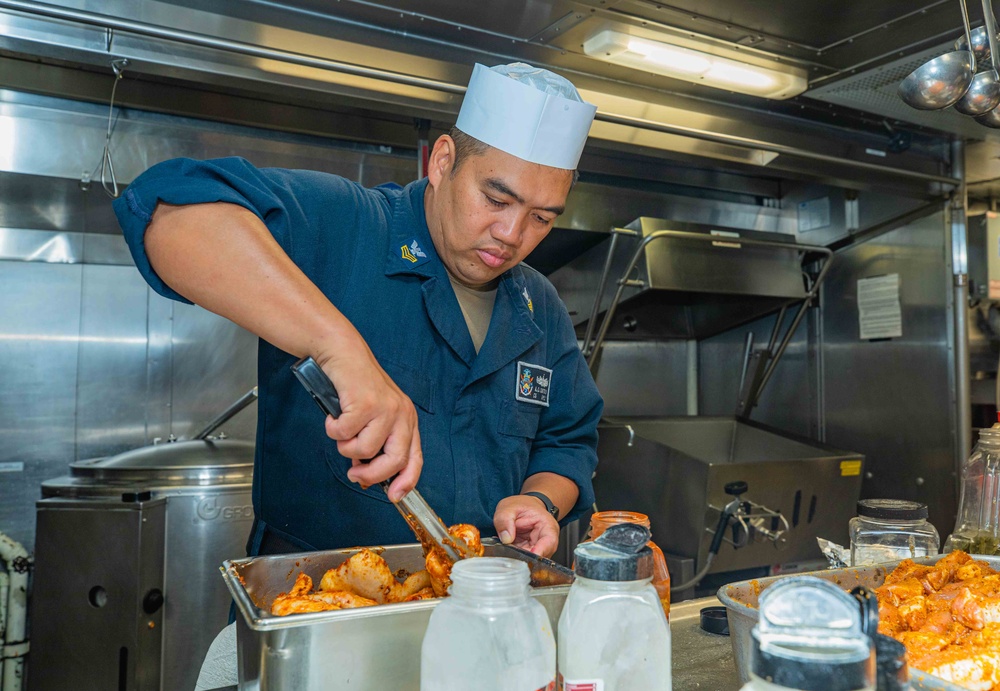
x=922, y=642
x=364, y=573
x=913, y=612
x=367, y=574
x=907, y=569
x=940, y=623
x=977, y=671
x=318, y=602
x=889, y=621
x=902, y=590
x=438, y=563
x=422, y=594
x=299, y=599
x=973, y=570
x=974, y=610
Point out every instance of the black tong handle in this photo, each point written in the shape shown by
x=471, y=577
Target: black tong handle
x=319, y=386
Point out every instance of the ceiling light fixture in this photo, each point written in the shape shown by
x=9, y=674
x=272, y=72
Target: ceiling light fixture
x=692, y=65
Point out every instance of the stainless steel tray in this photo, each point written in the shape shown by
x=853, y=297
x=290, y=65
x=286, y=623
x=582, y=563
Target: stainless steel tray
x=740, y=600
x=372, y=648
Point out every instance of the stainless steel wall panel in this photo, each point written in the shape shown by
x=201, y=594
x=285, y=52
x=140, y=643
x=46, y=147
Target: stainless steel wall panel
x=644, y=378
x=39, y=341
x=111, y=394
x=214, y=363
x=159, y=365
x=598, y=207
x=891, y=400
x=789, y=400
x=31, y=127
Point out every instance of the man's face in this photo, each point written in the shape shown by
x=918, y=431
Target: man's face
x=492, y=212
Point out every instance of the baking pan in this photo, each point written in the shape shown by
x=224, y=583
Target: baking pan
x=740, y=600
x=370, y=648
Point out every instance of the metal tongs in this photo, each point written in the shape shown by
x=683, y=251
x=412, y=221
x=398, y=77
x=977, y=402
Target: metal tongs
x=417, y=513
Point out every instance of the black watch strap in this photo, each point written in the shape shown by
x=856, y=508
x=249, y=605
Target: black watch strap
x=549, y=506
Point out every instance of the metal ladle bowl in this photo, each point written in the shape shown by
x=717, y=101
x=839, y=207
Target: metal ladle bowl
x=940, y=82
x=983, y=94
x=980, y=45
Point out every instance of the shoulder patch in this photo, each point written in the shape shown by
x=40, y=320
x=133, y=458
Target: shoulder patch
x=412, y=253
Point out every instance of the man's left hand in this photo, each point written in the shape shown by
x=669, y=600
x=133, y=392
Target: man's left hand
x=523, y=522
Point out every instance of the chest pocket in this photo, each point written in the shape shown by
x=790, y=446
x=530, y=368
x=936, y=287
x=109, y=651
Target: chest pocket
x=420, y=390
x=417, y=385
x=519, y=419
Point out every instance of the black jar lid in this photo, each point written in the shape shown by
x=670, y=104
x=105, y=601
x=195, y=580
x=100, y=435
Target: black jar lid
x=618, y=554
x=892, y=509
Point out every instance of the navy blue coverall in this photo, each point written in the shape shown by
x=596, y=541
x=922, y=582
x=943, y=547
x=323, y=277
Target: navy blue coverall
x=525, y=404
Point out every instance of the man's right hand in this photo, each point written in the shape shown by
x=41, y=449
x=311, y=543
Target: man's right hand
x=378, y=422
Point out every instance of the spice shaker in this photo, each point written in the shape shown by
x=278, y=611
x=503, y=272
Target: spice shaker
x=490, y=634
x=810, y=637
x=613, y=632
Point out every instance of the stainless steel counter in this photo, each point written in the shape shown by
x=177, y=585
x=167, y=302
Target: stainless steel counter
x=701, y=661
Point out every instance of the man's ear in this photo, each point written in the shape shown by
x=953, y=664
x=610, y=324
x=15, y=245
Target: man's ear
x=441, y=160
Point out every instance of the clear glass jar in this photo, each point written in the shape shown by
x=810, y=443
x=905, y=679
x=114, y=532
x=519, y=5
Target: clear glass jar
x=613, y=632
x=490, y=634
x=977, y=530
x=890, y=530
x=602, y=520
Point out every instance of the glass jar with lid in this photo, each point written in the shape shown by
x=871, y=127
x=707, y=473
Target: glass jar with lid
x=602, y=520
x=890, y=530
x=977, y=530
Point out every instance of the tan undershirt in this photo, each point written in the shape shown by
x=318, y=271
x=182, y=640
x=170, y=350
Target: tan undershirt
x=477, y=308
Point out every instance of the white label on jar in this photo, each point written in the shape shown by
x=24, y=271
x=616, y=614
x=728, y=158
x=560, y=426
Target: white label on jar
x=580, y=684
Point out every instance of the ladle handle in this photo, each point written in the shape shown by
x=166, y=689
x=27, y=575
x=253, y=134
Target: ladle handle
x=968, y=32
x=991, y=33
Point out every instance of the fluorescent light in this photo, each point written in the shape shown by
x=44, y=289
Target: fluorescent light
x=697, y=66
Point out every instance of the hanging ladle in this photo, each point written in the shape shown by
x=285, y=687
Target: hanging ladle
x=991, y=118
x=983, y=95
x=941, y=82
x=980, y=44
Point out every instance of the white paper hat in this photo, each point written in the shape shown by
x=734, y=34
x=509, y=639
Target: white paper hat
x=528, y=112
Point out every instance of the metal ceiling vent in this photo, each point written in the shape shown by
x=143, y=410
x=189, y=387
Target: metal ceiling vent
x=875, y=91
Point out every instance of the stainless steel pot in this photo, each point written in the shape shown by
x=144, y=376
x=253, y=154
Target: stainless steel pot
x=126, y=589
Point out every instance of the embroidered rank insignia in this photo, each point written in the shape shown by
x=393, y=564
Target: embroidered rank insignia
x=534, y=383
x=527, y=299
x=412, y=252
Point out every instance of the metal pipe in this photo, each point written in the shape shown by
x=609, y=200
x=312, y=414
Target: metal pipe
x=960, y=287
x=747, y=143
x=4, y=594
x=615, y=232
x=241, y=403
x=813, y=294
x=747, y=350
x=776, y=329
x=18, y=562
x=240, y=47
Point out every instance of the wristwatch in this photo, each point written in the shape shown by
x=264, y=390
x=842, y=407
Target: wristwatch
x=549, y=506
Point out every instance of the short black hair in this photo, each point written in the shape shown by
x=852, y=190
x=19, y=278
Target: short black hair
x=467, y=146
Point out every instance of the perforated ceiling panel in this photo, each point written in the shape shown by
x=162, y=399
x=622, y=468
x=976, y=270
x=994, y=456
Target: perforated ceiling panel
x=874, y=91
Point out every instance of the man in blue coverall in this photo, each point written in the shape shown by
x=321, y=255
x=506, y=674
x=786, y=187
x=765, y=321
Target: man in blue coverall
x=457, y=362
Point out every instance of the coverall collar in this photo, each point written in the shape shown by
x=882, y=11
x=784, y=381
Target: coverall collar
x=411, y=252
